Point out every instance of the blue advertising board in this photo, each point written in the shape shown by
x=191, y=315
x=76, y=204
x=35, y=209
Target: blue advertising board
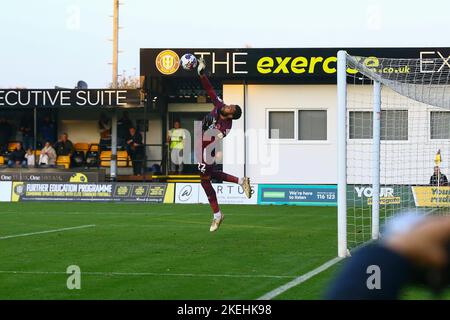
x=303, y=195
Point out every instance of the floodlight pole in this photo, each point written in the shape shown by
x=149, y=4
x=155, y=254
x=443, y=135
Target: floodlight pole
x=113, y=167
x=115, y=61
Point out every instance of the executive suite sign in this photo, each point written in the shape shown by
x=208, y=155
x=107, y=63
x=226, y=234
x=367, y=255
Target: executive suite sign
x=49, y=98
x=302, y=64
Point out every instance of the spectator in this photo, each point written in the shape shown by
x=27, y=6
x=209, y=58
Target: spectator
x=438, y=178
x=123, y=127
x=175, y=138
x=29, y=156
x=27, y=129
x=104, y=126
x=17, y=157
x=135, y=149
x=64, y=147
x=48, y=155
x=417, y=252
x=48, y=130
x=5, y=134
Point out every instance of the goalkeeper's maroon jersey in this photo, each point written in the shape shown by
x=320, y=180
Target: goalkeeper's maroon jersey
x=213, y=119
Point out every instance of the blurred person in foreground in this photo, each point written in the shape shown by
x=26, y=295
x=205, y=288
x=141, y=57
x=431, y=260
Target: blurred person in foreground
x=414, y=250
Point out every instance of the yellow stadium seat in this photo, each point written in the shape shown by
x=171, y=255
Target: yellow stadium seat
x=2, y=160
x=63, y=161
x=122, y=159
x=105, y=158
x=37, y=153
x=81, y=146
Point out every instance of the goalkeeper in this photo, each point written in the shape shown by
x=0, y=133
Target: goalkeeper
x=216, y=124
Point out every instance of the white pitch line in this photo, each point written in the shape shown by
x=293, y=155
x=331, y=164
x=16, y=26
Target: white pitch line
x=272, y=294
x=134, y=274
x=47, y=231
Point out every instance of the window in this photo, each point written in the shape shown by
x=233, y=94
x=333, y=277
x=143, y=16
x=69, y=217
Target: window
x=394, y=125
x=312, y=125
x=440, y=125
x=360, y=124
x=284, y=122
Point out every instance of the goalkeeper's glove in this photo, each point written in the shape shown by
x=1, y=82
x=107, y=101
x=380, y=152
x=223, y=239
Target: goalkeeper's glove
x=201, y=67
x=208, y=122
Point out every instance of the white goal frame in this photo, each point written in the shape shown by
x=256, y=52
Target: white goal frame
x=342, y=155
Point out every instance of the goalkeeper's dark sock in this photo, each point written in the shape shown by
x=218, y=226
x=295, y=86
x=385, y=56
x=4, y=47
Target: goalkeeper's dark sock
x=226, y=177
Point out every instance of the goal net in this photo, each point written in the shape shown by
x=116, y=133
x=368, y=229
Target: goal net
x=394, y=142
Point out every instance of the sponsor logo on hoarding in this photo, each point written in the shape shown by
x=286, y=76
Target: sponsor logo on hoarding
x=296, y=65
x=48, y=176
x=167, y=62
x=429, y=196
x=140, y=192
x=307, y=195
x=387, y=195
x=78, y=177
x=185, y=193
x=226, y=193
x=315, y=64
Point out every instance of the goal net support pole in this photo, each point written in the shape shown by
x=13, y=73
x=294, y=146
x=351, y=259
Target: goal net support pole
x=376, y=160
x=342, y=155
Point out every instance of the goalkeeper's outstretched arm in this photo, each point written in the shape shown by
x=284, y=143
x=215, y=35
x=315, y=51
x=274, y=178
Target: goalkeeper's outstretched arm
x=201, y=70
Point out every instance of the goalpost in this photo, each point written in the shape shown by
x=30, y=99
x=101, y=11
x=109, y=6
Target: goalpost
x=393, y=134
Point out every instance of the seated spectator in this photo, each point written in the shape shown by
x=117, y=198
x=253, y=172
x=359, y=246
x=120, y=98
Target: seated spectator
x=29, y=156
x=438, y=178
x=17, y=157
x=48, y=155
x=64, y=147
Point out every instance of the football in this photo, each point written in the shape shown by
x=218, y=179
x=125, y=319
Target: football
x=189, y=62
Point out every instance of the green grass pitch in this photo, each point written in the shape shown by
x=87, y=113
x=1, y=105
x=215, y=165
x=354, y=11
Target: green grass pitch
x=148, y=251
x=160, y=251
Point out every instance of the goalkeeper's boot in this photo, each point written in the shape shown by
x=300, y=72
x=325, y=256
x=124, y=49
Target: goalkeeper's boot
x=246, y=186
x=216, y=223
